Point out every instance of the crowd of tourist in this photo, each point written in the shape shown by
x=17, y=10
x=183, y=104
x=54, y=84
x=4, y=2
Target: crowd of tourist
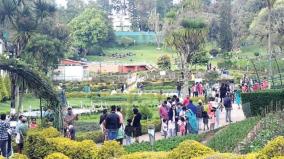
x=13, y=129
x=182, y=116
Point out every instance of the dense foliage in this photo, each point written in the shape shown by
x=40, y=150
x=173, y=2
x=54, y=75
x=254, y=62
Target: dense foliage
x=263, y=102
x=161, y=145
x=271, y=126
x=227, y=139
x=91, y=28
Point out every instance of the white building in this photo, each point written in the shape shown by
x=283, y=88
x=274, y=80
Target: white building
x=120, y=15
x=176, y=2
x=70, y=70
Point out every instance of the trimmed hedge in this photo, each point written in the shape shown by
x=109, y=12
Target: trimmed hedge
x=56, y=155
x=161, y=145
x=258, y=103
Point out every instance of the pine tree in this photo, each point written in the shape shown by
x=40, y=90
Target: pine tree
x=226, y=37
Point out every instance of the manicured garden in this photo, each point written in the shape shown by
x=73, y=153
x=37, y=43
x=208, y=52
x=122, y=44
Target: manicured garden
x=47, y=143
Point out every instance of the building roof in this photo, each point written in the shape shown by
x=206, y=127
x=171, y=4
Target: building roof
x=72, y=62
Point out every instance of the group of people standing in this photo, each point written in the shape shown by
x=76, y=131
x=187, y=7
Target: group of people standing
x=114, y=127
x=11, y=129
x=180, y=117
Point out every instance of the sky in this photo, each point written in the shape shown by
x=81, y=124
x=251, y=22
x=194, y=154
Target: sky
x=63, y=2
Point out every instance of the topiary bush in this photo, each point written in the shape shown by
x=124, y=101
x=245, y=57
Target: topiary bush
x=146, y=155
x=18, y=156
x=111, y=149
x=56, y=155
x=190, y=149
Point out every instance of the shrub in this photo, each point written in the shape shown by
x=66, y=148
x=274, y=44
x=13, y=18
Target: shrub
x=161, y=145
x=146, y=155
x=262, y=102
x=96, y=136
x=19, y=156
x=111, y=149
x=221, y=156
x=36, y=143
x=96, y=51
x=274, y=148
x=190, y=149
x=164, y=62
x=125, y=41
x=227, y=139
x=146, y=112
x=56, y=155
x=76, y=150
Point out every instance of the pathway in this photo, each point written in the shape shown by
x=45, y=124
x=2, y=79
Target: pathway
x=237, y=115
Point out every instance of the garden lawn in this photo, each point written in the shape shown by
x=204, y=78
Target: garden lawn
x=228, y=138
x=147, y=54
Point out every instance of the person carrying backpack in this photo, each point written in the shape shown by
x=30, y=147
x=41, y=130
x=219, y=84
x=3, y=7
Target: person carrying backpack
x=199, y=110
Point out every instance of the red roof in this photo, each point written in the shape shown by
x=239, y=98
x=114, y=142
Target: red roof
x=71, y=62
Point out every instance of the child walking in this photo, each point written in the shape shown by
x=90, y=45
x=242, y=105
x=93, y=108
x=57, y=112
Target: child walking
x=165, y=127
x=212, y=119
x=205, y=117
x=182, y=126
x=128, y=132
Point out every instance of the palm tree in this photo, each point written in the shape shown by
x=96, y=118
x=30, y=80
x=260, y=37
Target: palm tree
x=24, y=17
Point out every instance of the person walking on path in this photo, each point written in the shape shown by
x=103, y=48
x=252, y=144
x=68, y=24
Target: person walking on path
x=228, y=107
x=112, y=124
x=192, y=125
x=238, y=97
x=163, y=111
x=199, y=110
x=128, y=132
x=69, y=121
x=172, y=121
x=179, y=89
x=102, y=119
x=4, y=126
x=120, y=134
x=21, y=131
x=192, y=107
x=136, y=123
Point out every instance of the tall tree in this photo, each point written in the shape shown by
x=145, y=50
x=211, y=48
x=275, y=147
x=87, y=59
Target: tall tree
x=91, y=28
x=225, y=37
x=187, y=42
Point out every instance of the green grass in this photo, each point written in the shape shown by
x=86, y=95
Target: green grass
x=144, y=54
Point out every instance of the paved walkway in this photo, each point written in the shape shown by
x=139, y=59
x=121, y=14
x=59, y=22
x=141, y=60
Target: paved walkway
x=237, y=115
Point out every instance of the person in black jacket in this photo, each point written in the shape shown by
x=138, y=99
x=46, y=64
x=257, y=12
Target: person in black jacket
x=137, y=130
x=112, y=124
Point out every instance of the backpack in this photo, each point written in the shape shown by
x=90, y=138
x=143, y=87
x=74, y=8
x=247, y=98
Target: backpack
x=199, y=112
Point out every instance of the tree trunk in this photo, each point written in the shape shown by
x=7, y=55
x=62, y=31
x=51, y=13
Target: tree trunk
x=13, y=91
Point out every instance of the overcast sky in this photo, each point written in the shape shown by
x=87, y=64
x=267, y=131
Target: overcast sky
x=63, y=2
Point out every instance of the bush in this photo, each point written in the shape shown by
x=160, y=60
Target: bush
x=164, y=62
x=56, y=156
x=161, y=145
x=111, y=149
x=95, y=51
x=86, y=149
x=96, y=136
x=258, y=103
x=274, y=148
x=221, y=156
x=227, y=139
x=146, y=112
x=190, y=149
x=125, y=41
x=146, y=155
x=19, y=156
x=36, y=143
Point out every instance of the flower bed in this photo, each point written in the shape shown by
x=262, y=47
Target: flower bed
x=228, y=138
